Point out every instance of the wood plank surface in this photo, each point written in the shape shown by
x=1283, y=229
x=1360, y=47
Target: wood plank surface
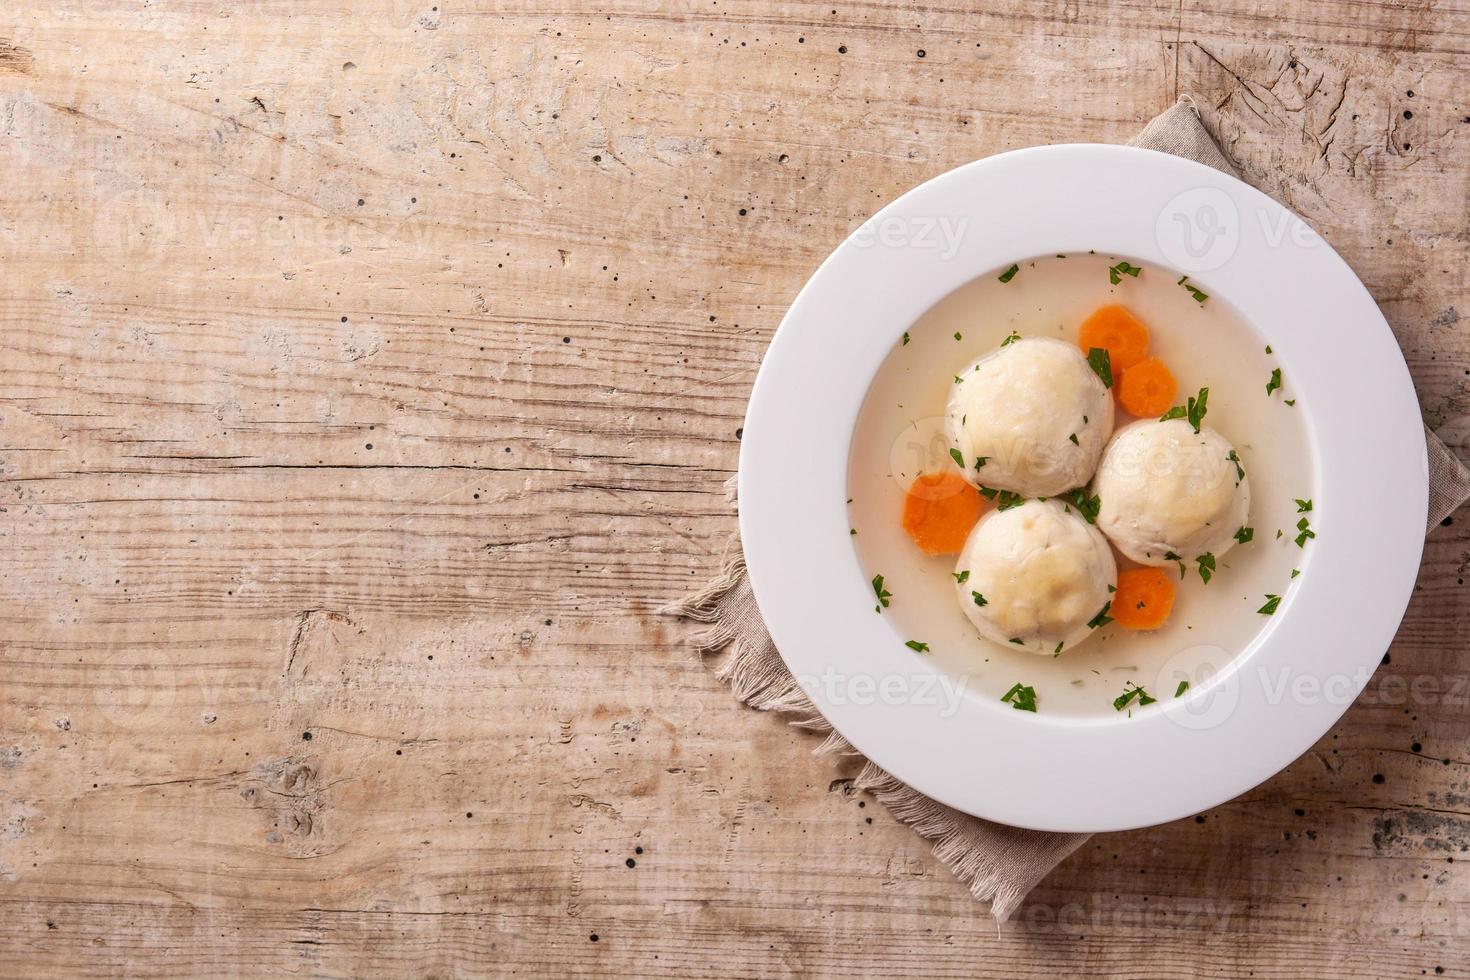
x=369, y=375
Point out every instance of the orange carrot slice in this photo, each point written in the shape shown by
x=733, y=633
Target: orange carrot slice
x=1118, y=332
x=1147, y=389
x=1144, y=598
x=939, y=512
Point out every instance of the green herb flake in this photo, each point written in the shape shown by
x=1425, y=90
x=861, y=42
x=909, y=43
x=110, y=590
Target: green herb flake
x=1073, y=437
x=961, y=577
x=1117, y=272
x=1302, y=506
x=1011, y=339
x=1022, y=697
x=1177, y=412
x=958, y=380
x=981, y=461
x=1206, y=563
x=851, y=531
x=1170, y=556
x=1018, y=641
x=980, y=600
x=1199, y=297
x=1058, y=651
x=1295, y=572
x=957, y=336
x=1010, y=273
x=883, y=594
x=1102, y=365
x=1102, y=618
x=1183, y=686
x=1268, y=348
x=1274, y=383
x=1087, y=506
x=1245, y=534
x=1304, y=528
x=905, y=338
x=916, y=646
x=1196, y=406
x=1291, y=402
x=989, y=493
x=959, y=460
x=1131, y=692
x=1006, y=500
x=1272, y=601
x=1234, y=457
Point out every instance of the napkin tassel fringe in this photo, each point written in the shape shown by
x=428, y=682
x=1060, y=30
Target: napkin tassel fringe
x=757, y=676
x=955, y=845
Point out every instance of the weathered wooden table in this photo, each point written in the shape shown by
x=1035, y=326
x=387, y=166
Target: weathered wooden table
x=368, y=377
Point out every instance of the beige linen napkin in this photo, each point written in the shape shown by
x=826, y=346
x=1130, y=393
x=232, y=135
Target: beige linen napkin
x=999, y=863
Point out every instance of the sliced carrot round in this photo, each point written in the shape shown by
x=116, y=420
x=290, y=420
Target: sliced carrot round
x=1144, y=598
x=1147, y=389
x=939, y=512
x=1118, y=332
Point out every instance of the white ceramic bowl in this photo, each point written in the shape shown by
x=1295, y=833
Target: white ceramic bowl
x=1281, y=693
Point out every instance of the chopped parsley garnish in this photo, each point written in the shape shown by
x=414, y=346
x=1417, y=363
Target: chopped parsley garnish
x=1305, y=528
x=1274, y=383
x=905, y=338
x=1018, y=641
x=1199, y=297
x=980, y=600
x=959, y=460
x=981, y=461
x=1057, y=651
x=1268, y=348
x=1295, y=572
x=1010, y=339
x=958, y=380
x=1234, y=457
x=1130, y=692
x=1302, y=506
x=1291, y=402
x=1087, y=506
x=957, y=336
x=1101, y=364
x=989, y=493
x=1102, y=618
x=851, y=531
x=1006, y=500
x=916, y=646
x=1206, y=566
x=1022, y=697
x=1183, y=686
x=961, y=577
x=1073, y=437
x=1117, y=272
x=1010, y=273
x=1170, y=556
x=1272, y=601
x=883, y=594
x=1195, y=408
x=1245, y=534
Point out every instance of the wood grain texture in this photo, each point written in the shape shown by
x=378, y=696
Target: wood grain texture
x=369, y=374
